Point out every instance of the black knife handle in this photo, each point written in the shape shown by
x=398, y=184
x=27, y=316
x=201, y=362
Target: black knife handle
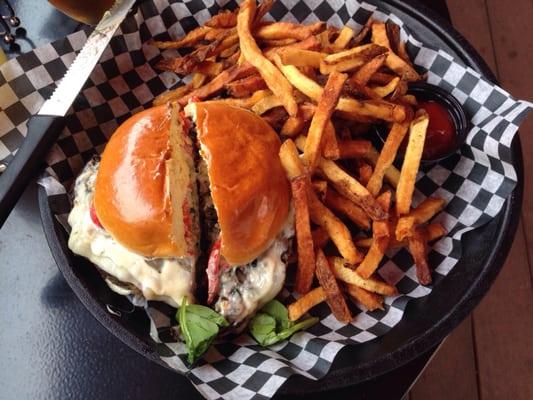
x=43, y=131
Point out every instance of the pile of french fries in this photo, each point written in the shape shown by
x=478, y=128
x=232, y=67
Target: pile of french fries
x=322, y=89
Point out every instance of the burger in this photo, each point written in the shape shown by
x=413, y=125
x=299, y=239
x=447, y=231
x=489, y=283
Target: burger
x=172, y=199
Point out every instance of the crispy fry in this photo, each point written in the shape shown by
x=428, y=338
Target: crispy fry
x=320, y=237
x=434, y=231
x=217, y=84
x=365, y=172
x=288, y=154
x=383, y=91
x=427, y=209
x=230, y=51
x=300, y=57
x=320, y=187
x=393, y=33
x=247, y=102
x=363, y=75
x=272, y=76
x=288, y=30
x=345, y=35
x=394, y=62
x=348, y=275
x=209, y=68
x=364, y=53
x=246, y=86
x=411, y=162
x=293, y=126
x=352, y=189
x=370, y=108
x=381, y=78
x=224, y=19
x=326, y=104
x=334, y=296
x=380, y=242
x=363, y=32
x=371, y=301
x=311, y=43
x=216, y=33
x=305, y=303
x=405, y=228
x=174, y=94
x=304, y=240
x=278, y=42
x=188, y=40
x=198, y=80
x=337, y=231
x=275, y=117
x=392, y=175
x=418, y=249
x=347, y=208
x=330, y=145
x=353, y=148
x=387, y=156
x=265, y=104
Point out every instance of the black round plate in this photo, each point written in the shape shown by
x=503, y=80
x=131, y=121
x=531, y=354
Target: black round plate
x=426, y=321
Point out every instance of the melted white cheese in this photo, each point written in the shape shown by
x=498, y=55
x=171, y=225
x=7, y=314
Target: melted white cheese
x=164, y=279
x=245, y=289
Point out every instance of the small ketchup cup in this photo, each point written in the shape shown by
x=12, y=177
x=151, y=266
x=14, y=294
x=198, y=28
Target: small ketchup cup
x=449, y=118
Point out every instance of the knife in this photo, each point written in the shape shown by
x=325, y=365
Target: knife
x=45, y=127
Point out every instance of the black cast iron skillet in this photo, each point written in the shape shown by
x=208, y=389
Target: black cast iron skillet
x=426, y=321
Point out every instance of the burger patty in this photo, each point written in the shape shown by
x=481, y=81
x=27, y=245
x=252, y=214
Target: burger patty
x=166, y=279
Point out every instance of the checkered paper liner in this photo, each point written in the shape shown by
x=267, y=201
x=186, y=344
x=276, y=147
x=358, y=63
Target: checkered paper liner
x=474, y=183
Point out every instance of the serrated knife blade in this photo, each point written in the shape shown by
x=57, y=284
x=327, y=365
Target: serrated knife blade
x=44, y=128
x=85, y=61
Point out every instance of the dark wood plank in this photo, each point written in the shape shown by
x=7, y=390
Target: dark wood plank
x=513, y=46
x=452, y=367
x=503, y=327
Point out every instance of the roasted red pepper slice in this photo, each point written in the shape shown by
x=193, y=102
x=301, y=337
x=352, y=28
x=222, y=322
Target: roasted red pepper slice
x=215, y=264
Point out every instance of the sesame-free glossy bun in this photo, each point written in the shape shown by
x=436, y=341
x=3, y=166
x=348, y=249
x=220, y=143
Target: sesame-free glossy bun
x=248, y=184
x=132, y=197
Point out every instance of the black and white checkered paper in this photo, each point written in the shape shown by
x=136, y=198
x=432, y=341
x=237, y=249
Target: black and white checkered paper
x=474, y=183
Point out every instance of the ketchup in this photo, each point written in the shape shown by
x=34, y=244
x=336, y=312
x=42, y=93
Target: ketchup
x=441, y=135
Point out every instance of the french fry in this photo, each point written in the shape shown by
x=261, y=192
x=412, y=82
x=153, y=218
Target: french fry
x=405, y=228
x=365, y=172
x=434, y=231
x=217, y=84
x=345, y=35
x=224, y=19
x=409, y=99
x=383, y=91
x=352, y=189
x=337, y=231
x=427, y=209
x=361, y=35
x=347, y=208
x=371, y=301
x=246, y=86
x=394, y=62
x=251, y=52
x=353, y=148
x=364, y=53
x=381, y=78
x=209, y=68
x=275, y=117
x=320, y=187
x=293, y=126
x=418, y=249
x=320, y=237
x=369, y=108
x=326, y=104
x=387, y=156
x=288, y=154
x=411, y=162
x=363, y=75
x=380, y=241
x=198, y=80
x=334, y=296
x=305, y=303
x=188, y=40
x=174, y=94
x=304, y=240
x=288, y=30
x=392, y=175
x=278, y=42
x=266, y=103
x=348, y=275
x=300, y=57
x=247, y=102
x=393, y=33
x=311, y=43
x=330, y=145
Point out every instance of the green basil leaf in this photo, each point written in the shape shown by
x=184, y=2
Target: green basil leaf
x=207, y=313
x=279, y=312
x=263, y=329
x=199, y=326
x=272, y=324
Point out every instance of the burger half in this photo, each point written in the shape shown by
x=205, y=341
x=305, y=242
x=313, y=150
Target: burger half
x=162, y=192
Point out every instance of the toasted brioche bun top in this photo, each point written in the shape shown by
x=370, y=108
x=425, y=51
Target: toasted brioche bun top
x=132, y=196
x=248, y=184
